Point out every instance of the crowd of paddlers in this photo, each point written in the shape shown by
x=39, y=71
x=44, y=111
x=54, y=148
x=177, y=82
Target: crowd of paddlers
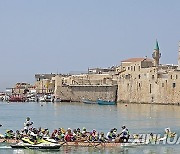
x=69, y=135
x=34, y=135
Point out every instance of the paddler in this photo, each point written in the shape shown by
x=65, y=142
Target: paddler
x=27, y=125
x=69, y=135
x=55, y=135
x=90, y=137
x=114, y=135
x=109, y=135
x=124, y=135
x=41, y=133
x=62, y=132
x=9, y=134
x=102, y=137
x=84, y=132
x=60, y=136
x=34, y=136
x=78, y=134
x=46, y=133
x=169, y=133
x=95, y=135
x=74, y=135
x=18, y=136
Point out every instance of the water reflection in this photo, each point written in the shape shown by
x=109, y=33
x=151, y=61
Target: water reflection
x=80, y=150
x=150, y=117
x=139, y=118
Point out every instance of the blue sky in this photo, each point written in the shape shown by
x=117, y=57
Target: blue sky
x=44, y=36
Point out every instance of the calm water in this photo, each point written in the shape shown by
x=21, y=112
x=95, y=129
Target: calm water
x=139, y=118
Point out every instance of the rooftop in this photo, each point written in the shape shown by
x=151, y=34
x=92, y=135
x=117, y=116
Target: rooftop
x=137, y=60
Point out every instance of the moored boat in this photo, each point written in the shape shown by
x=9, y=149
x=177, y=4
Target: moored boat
x=86, y=101
x=17, y=98
x=104, y=102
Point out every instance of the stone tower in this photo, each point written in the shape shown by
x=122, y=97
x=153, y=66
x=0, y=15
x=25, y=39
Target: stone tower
x=179, y=57
x=156, y=54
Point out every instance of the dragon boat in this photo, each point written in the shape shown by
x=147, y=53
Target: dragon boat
x=19, y=144
x=3, y=140
x=100, y=144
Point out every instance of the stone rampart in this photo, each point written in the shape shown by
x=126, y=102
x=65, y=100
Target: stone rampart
x=90, y=92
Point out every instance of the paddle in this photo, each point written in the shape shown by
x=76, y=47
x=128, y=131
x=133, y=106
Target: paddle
x=100, y=143
x=4, y=140
x=63, y=143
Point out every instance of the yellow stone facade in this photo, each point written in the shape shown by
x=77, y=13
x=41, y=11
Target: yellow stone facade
x=142, y=81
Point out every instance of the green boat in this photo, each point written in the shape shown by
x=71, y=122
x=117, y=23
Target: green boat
x=104, y=102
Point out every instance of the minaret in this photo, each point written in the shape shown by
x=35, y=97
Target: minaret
x=156, y=55
x=179, y=57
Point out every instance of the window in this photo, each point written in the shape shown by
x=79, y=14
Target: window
x=171, y=76
x=134, y=68
x=162, y=84
x=150, y=88
x=174, y=85
x=176, y=76
x=128, y=86
x=128, y=68
x=127, y=76
x=152, y=76
x=139, y=68
x=139, y=76
x=139, y=84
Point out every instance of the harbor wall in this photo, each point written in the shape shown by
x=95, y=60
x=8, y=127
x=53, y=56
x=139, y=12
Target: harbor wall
x=90, y=92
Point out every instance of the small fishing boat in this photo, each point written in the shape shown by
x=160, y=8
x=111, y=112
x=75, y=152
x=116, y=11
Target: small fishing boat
x=17, y=98
x=22, y=145
x=104, y=102
x=86, y=101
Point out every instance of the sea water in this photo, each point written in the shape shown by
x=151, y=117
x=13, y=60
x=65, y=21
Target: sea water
x=139, y=118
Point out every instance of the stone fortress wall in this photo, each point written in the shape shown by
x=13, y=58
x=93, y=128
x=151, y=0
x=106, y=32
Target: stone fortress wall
x=77, y=92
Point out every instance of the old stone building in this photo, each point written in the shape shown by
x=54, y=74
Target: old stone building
x=144, y=80
x=22, y=88
x=45, y=83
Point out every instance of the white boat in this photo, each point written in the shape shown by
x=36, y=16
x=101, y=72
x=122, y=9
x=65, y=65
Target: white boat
x=22, y=145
